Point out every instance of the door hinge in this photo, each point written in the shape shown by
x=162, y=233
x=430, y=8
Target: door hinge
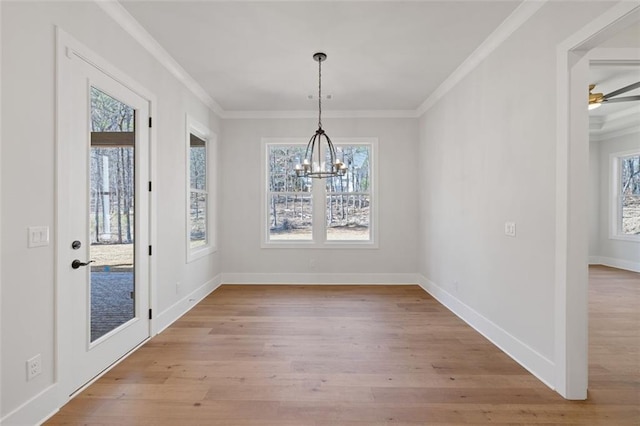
x=150, y=122
x=150, y=251
x=149, y=186
x=150, y=313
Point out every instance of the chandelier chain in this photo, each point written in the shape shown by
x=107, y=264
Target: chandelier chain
x=320, y=93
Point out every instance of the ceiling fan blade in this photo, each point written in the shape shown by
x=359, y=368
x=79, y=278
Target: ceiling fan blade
x=623, y=90
x=623, y=99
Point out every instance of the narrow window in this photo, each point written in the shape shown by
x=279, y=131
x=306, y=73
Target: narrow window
x=200, y=206
x=198, y=191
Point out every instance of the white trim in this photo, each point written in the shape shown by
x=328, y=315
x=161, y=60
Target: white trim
x=318, y=240
x=153, y=213
x=615, y=55
x=1, y=149
x=615, y=212
x=192, y=126
x=621, y=237
x=570, y=255
x=537, y=364
x=599, y=136
x=184, y=305
x=36, y=410
x=399, y=113
x=48, y=402
x=595, y=260
x=128, y=23
x=68, y=48
x=627, y=265
x=515, y=20
x=320, y=278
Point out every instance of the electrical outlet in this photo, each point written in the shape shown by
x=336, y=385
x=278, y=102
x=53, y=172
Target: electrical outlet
x=34, y=367
x=312, y=264
x=510, y=229
x=177, y=287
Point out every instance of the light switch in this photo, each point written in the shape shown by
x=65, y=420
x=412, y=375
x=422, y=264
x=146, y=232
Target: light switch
x=38, y=236
x=510, y=229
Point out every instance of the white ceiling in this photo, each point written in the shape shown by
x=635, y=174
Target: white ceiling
x=610, y=76
x=382, y=55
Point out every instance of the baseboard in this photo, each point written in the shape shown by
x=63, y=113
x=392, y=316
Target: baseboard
x=36, y=410
x=627, y=265
x=319, y=278
x=44, y=405
x=538, y=365
x=167, y=317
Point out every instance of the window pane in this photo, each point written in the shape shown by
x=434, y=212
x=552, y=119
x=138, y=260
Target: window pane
x=357, y=178
x=198, y=207
x=630, y=194
x=282, y=176
x=112, y=213
x=631, y=215
x=109, y=114
x=348, y=217
x=198, y=163
x=290, y=217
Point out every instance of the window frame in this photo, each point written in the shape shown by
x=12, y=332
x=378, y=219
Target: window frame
x=615, y=198
x=204, y=133
x=319, y=199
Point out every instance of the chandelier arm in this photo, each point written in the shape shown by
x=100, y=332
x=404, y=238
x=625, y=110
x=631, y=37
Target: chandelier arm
x=332, y=150
x=311, y=144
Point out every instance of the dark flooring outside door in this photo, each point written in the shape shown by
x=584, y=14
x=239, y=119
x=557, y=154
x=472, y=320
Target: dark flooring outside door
x=112, y=303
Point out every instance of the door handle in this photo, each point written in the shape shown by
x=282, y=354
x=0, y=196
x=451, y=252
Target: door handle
x=76, y=263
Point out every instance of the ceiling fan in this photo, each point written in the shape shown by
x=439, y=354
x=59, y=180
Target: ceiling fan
x=597, y=99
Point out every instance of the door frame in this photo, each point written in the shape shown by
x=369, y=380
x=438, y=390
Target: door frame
x=68, y=48
x=573, y=57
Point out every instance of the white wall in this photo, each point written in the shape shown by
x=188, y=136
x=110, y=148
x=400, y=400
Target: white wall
x=594, y=199
x=606, y=250
x=489, y=154
x=28, y=171
x=241, y=190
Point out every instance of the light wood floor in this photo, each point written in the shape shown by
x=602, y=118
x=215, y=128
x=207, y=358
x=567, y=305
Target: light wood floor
x=357, y=355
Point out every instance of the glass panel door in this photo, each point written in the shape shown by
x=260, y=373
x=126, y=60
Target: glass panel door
x=111, y=213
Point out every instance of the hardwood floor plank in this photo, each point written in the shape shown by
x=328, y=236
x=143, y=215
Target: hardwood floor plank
x=357, y=356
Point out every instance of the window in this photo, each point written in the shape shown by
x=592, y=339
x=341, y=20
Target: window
x=305, y=212
x=200, y=194
x=626, y=200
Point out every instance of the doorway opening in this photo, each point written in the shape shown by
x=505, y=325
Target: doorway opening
x=103, y=224
x=572, y=200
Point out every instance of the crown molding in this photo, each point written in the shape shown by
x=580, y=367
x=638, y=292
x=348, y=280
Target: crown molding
x=514, y=21
x=620, y=123
x=614, y=133
x=120, y=15
x=314, y=114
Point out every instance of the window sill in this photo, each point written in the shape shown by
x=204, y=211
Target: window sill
x=630, y=238
x=360, y=245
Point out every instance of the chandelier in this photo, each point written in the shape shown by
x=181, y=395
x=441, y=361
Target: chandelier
x=313, y=165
